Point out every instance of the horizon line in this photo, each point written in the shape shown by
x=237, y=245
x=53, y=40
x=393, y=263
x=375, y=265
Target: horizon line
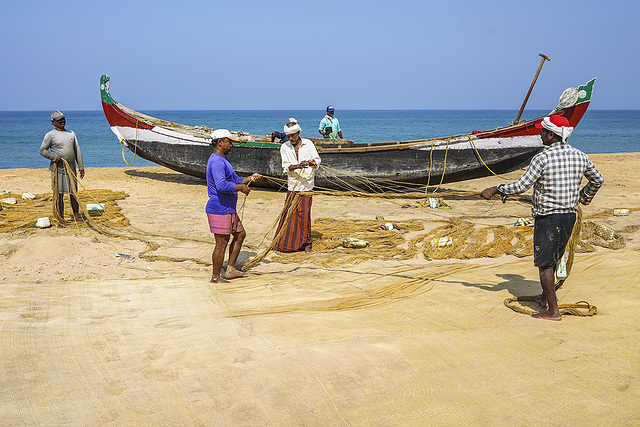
x=346, y=109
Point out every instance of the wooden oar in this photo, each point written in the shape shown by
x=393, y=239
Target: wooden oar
x=526, y=98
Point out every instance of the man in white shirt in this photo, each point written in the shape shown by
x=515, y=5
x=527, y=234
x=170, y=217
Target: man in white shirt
x=300, y=160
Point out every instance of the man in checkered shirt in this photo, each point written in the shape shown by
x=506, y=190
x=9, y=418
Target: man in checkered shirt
x=555, y=174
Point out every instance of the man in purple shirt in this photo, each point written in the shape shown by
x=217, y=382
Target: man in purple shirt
x=223, y=185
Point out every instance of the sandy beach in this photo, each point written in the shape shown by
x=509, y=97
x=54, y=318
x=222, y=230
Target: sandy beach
x=90, y=337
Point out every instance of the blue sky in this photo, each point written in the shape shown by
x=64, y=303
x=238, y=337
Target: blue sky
x=241, y=54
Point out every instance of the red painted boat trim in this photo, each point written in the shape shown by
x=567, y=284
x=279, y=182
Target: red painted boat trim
x=116, y=117
x=573, y=114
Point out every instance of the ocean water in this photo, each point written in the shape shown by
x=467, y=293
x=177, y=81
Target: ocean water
x=21, y=132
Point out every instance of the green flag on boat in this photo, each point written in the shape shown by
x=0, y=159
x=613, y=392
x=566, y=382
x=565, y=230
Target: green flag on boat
x=584, y=92
x=575, y=95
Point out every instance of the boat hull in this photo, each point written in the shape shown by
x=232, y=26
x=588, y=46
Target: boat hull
x=420, y=165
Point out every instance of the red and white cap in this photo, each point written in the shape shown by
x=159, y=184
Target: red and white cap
x=556, y=124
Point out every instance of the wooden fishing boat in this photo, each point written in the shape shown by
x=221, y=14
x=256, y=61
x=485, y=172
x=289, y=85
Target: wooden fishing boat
x=445, y=159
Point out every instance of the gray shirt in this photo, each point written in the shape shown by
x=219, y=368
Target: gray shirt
x=64, y=144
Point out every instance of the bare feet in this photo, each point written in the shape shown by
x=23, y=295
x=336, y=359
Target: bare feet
x=232, y=273
x=308, y=249
x=219, y=280
x=542, y=300
x=545, y=315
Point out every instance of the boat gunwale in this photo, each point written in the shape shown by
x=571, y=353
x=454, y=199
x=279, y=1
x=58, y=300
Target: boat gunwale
x=130, y=115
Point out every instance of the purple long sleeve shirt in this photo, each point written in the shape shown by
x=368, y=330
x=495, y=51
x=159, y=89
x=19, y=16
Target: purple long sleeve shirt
x=221, y=184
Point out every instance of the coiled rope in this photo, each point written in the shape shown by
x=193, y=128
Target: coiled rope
x=580, y=308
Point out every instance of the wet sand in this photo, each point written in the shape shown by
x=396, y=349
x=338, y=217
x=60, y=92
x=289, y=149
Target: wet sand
x=91, y=338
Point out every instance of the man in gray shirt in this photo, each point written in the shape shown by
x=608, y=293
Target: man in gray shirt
x=57, y=145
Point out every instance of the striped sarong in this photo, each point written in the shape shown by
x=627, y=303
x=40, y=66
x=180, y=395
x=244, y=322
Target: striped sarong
x=296, y=233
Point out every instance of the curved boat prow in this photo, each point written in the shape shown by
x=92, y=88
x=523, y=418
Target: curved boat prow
x=104, y=90
x=577, y=99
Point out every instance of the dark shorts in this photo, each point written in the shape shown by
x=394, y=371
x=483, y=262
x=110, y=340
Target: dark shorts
x=550, y=236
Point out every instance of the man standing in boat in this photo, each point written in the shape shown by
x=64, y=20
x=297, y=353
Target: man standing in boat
x=58, y=145
x=329, y=125
x=300, y=161
x=555, y=174
x=223, y=185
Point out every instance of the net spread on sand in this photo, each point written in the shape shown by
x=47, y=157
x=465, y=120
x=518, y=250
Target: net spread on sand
x=453, y=238
x=450, y=238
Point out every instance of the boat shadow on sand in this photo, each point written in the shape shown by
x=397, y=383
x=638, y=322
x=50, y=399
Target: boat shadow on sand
x=172, y=177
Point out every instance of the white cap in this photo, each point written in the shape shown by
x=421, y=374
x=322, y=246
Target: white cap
x=223, y=133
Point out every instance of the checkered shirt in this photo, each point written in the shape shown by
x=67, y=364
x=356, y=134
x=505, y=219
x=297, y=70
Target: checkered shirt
x=556, y=174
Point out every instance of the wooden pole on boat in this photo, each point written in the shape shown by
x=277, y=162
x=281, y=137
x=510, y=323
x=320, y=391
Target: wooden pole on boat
x=526, y=98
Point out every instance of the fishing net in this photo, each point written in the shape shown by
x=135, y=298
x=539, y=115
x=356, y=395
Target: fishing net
x=104, y=218
x=25, y=212
x=464, y=240
x=334, y=241
x=455, y=238
x=345, y=241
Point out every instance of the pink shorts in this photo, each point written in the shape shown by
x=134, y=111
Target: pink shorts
x=225, y=224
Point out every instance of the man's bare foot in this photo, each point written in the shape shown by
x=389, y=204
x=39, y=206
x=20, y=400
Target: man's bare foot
x=542, y=300
x=545, y=315
x=80, y=220
x=219, y=280
x=232, y=273
x=308, y=249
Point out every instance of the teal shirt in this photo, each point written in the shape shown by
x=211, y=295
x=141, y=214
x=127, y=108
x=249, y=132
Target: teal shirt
x=333, y=123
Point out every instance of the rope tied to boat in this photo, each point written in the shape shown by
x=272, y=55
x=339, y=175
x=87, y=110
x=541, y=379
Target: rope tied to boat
x=444, y=166
x=480, y=158
x=135, y=147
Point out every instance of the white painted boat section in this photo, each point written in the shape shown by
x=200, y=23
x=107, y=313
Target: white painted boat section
x=485, y=143
x=157, y=135
x=167, y=136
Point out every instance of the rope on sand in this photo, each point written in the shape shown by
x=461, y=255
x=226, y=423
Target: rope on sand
x=255, y=260
x=580, y=308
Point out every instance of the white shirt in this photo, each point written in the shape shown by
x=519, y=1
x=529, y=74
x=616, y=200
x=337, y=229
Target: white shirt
x=299, y=179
